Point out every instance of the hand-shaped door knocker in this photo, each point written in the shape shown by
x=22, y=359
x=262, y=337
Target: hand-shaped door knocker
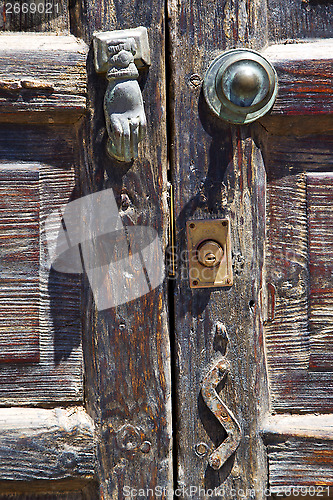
x=119, y=54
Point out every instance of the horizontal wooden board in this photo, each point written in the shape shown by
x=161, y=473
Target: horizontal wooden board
x=279, y=427
x=41, y=73
x=40, y=444
x=19, y=256
x=50, y=490
x=58, y=374
x=54, y=145
x=300, y=451
x=320, y=241
x=300, y=462
x=290, y=155
x=305, y=73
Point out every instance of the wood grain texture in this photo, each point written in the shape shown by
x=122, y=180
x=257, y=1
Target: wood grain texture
x=41, y=16
x=277, y=427
x=217, y=171
x=298, y=462
x=293, y=387
x=19, y=254
x=300, y=450
x=46, y=444
x=320, y=241
x=289, y=20
x=287, y=338
x=127, y=351
x=40, y=492
x=42, y=73
x=54, y=145
x=305, y=73
x=54, y=299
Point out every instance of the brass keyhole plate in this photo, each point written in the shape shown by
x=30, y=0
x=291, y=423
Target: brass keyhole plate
x=209, y=253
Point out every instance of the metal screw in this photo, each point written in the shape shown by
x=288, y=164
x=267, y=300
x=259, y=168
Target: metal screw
x=145, y=447
x=215, y=463
x=195, y=282
x=192, y=225
x=224, y=223
x=228, y=280
x=201, y=449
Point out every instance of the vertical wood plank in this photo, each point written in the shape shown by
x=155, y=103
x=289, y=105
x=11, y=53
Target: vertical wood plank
x=320, y=215
x=19, y=254
x=127, y=358
x=287, y=337
x=217, y=171
x=290, y=21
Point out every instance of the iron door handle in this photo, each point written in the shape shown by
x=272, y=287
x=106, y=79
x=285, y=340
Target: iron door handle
x=222, y=413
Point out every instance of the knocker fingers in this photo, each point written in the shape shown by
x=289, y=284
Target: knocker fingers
x=135, y=130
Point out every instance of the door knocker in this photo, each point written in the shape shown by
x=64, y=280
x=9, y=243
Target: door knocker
x=119, y=54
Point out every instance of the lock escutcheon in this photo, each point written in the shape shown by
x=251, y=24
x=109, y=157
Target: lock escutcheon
x=209, y=253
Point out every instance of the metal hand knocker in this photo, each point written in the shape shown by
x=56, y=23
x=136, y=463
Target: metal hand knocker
x=222, y=413
x=119, y=54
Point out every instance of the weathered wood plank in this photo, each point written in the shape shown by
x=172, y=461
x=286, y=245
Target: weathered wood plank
x=300, y=451
x=277, y=427
x=19, y=254
x=320, y=241
x=34, y=15
x=300, y=462
x=39, y=444
x=290, y=21
x=290, y=155
x=43, y=74
x=56, y=297
x=54, y=145
x=48, y=490
x=127, y=355
x=305, y=73
x=287, y=338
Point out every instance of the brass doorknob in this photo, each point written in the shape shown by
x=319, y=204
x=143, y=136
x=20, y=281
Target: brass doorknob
x=240, y=86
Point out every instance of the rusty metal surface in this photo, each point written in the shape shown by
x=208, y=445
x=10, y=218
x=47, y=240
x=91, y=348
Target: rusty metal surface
x=222, y=413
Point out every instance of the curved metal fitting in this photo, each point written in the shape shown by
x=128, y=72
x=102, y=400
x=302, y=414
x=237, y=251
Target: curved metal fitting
x=222, y=413
x=240, y=86
x=119, y=54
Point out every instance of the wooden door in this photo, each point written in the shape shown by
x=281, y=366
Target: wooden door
x=109, y=404
x=272, y=179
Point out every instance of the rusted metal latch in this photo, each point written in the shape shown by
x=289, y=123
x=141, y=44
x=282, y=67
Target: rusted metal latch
x=222, y=413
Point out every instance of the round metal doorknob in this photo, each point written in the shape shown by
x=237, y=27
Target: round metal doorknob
x=240, y=86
